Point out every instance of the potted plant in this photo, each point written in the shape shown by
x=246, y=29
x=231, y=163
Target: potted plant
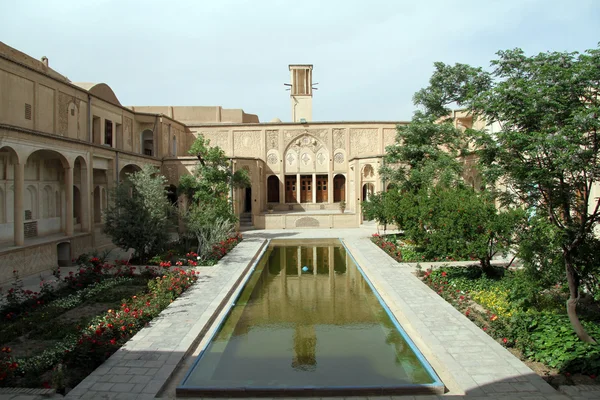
x=342, y=206
x=270, y=208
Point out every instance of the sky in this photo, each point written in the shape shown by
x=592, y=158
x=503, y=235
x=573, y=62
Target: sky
x=369, y=57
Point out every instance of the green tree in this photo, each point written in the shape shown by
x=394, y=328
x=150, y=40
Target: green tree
x=138, y=215
x=546, y=150
x=425, y=166
x=209, y=216
x=374, y=209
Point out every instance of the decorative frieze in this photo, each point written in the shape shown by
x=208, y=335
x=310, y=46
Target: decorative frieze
x=339, y=138
x=363, y=142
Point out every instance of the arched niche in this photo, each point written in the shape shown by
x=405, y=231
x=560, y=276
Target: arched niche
x=306, y=154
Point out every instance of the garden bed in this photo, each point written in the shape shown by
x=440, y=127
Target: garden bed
x=403, y=250
x=180, y=255
x=55, y=337
x=533, y=326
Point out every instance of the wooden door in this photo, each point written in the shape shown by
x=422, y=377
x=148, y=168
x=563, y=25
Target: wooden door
x=290, y=189
x=305, y=189
x=339, y=188
x=322, y=187
x=273, y=189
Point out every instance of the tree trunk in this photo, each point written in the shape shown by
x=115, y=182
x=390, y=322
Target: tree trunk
x=573, y=281
x=486, y=266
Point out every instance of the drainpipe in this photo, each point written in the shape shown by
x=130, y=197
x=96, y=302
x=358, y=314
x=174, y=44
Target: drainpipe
x=90, y=137
x=154, y=141
x=170, y=141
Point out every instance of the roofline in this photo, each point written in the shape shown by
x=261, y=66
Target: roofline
x=79, y=88
x=300, y=124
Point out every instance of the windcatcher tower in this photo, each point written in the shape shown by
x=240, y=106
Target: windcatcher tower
x=301, y=92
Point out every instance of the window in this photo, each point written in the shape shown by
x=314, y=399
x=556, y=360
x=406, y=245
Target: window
x=108, y=131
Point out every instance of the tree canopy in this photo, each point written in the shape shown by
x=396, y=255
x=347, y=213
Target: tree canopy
x=541, y=140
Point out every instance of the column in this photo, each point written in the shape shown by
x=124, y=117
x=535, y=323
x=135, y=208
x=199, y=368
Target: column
x=69, y=201
x=85, y=200
x=330, y=187
x=314, y=255
x=314, y=188
x=19, y=217
x=297, y=188
x=281, y=188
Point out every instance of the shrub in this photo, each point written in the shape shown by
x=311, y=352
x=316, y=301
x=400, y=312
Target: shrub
x=138, y=215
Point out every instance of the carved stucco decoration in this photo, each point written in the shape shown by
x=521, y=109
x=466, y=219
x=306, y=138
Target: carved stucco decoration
x=217, y=138
x=64, y=100
x=272, y=159
x=290, y=158
x=339, y=138
x=128, y=129
x=363, y=141
x=309, y=151
x=389, y=137
x=289, y=135
x=368, y=172
x=247, y=144
x=321, y=158
x=338, y=157
x=272, y=139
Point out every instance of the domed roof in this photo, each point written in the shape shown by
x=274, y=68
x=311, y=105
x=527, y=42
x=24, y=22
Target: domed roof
x=276, y=120
x=102, y=90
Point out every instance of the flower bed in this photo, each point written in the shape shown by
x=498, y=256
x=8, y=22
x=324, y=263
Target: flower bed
x=76, y=348
x=181, y=258
x=402, y=250
x=541, y=333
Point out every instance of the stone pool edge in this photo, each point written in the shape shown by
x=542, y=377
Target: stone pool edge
x=466, y=359
x=144, y=365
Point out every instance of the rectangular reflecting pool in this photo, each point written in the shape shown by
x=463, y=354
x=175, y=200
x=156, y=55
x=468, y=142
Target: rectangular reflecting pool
x=308, y=322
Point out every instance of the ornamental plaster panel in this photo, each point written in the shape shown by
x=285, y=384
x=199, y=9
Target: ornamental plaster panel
x=63, y=112
x=389, y=137
x=247, y=144
x=128, y=132
x=217, y=139
x=339, y=138
x=273, y=160
x=363, y=142
x=340, y=160
x=272, y=139
x=290, y=135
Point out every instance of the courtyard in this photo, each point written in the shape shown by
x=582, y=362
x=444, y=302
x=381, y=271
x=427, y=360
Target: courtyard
x=468, y=361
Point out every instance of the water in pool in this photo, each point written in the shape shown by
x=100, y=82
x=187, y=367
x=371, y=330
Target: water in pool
x=308, y=319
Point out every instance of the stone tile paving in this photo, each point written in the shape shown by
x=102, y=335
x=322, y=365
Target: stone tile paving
x=471, y=364
x=468, y=361
x=141, y=367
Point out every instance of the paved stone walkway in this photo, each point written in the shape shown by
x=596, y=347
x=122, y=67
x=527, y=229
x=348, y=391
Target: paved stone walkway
x=471, y=364
x=141, y=367
x=467, y=360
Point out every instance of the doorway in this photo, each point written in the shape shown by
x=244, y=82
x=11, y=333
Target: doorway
x=305, y=189
x=339, y=188
x=63, y=252
x=322, y=184
x=248, y=200
x=273, y=189
x=290, y=189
